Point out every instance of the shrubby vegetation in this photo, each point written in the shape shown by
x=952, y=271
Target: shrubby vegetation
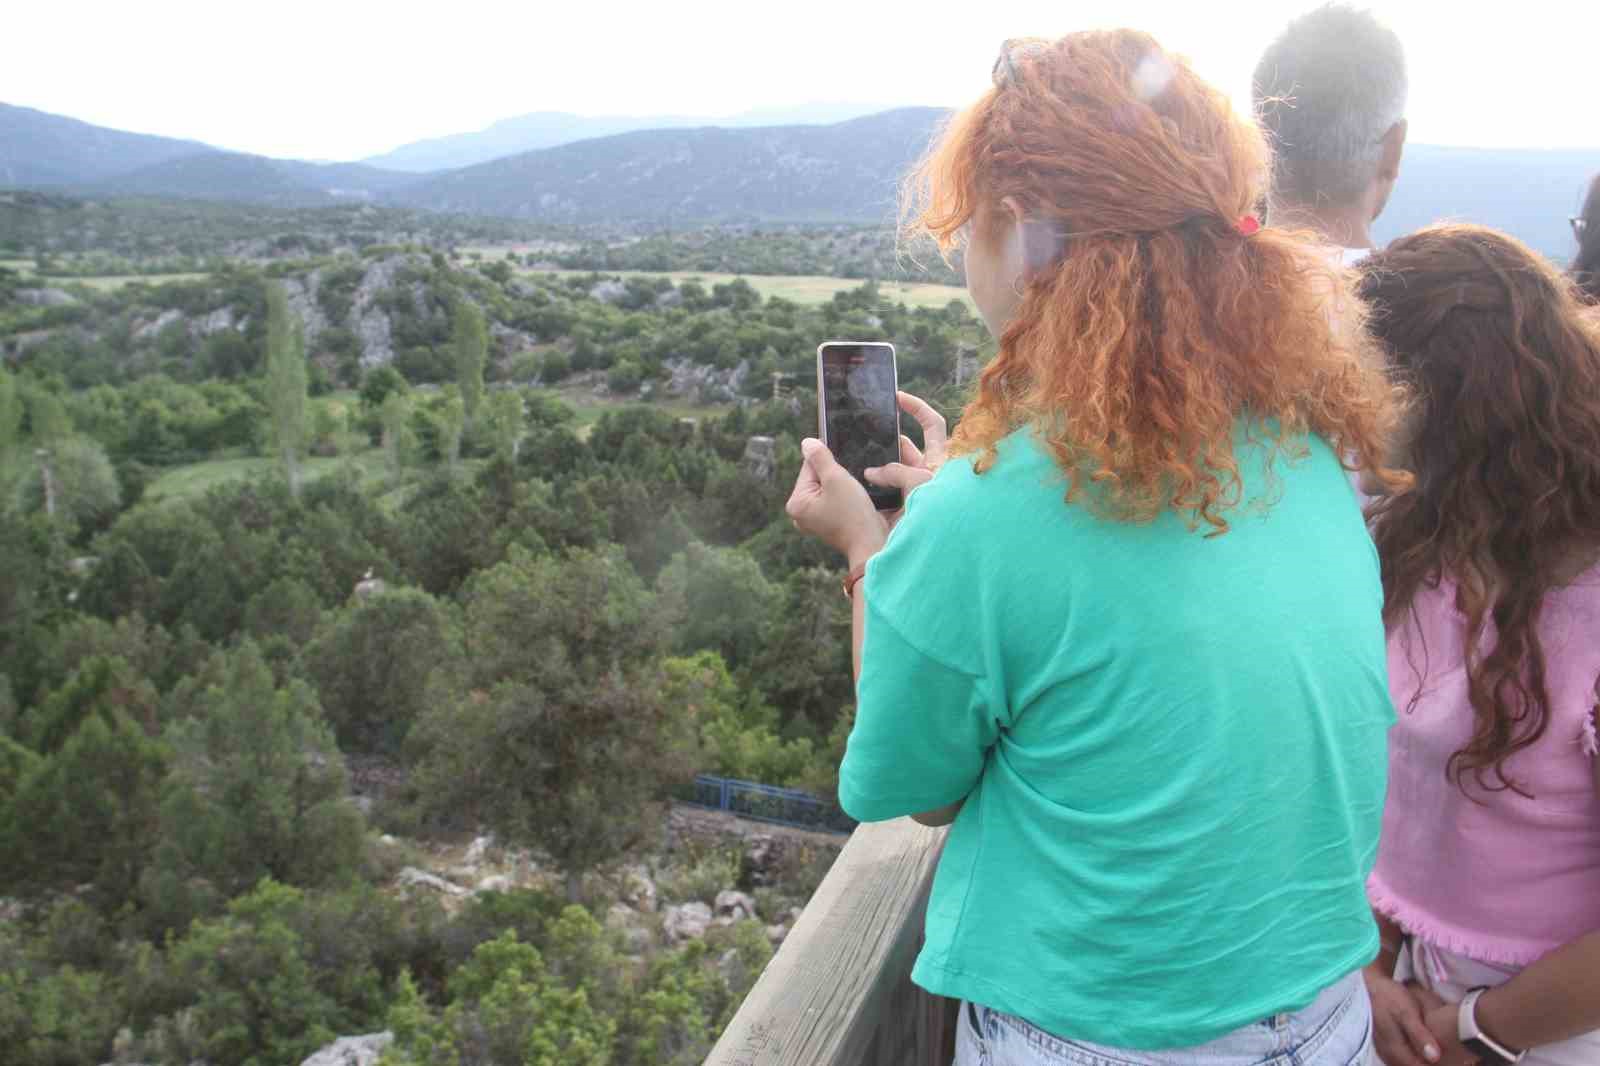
x=537, y=612
x=836, y=251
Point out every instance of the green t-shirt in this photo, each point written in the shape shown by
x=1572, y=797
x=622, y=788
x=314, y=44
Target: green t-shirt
x=1171, y=745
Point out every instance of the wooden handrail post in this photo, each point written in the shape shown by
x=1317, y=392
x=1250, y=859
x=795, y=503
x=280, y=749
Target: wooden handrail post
x=838, y=992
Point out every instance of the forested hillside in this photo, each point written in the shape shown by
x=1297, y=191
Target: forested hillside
x=382, y=735
x=38, y=148
x=845, y=172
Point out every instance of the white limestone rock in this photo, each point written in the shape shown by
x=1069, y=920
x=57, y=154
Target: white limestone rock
x=353, y=1050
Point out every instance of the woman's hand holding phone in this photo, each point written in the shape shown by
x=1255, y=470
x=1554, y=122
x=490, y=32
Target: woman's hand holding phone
x=916, y=466
x=832, y=506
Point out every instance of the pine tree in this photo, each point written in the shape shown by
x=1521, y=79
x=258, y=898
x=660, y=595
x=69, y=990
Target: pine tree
x=258, y=787
x=286, y=383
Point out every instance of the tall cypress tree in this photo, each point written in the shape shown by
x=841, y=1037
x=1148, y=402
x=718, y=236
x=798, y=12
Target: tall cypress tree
x=286, y=383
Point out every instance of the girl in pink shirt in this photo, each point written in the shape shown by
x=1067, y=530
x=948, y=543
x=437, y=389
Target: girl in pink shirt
x=1487, y=886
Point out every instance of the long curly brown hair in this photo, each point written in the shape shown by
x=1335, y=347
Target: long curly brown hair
x=1505, y=448
x=1154, y=323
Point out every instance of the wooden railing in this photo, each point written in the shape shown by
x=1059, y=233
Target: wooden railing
x=838, y=992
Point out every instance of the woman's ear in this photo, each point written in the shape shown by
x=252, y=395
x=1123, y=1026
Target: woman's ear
x=1037, y=243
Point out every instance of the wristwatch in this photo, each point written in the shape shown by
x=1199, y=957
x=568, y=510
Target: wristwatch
x=1490, y=1051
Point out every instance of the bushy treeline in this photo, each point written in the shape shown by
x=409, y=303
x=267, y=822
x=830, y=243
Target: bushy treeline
x=76, y=236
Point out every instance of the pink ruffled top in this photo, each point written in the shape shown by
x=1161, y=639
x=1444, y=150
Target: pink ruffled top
x=1496, y=876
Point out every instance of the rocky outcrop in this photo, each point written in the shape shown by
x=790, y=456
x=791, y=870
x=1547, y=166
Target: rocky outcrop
x=215, y=322
x=735, y=905
x=368, y=320
x=967, y=366
x=760, y=459
x=638, y=889
x=303, y=305
x=153, y=327
x=704, y=384
x=353, y=1051
x=45, y=297
x=629, y=924
x=511, y=341
x=686, y=921
x=411, y=877
x=478, y=850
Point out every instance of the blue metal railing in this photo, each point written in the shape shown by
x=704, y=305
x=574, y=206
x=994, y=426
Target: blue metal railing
x=766, y=803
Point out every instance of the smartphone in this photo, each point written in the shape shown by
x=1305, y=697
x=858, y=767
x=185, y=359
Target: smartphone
x=857, y=414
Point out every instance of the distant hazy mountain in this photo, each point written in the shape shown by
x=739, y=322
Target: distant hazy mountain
x=844, y=172
x=38, y=148
x=41, y=150
x=254, y=179
x=547, y=129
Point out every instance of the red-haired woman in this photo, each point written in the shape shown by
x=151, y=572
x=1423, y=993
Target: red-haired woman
x=1128, y=638
x=1490, y=856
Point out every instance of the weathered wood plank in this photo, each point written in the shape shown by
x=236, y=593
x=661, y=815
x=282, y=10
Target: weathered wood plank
x=915, y=1029
x=834, y=982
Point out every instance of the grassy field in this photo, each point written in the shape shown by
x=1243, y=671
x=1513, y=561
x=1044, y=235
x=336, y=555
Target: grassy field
x=805, y=288
x=193, y=479
x=590, y=407
x=104, y=282
x=117, y=281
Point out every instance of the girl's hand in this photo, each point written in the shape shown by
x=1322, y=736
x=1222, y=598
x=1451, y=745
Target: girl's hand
x=915, y=467
x=1399, y=1027
x=1442, y=1023
x=832, y=506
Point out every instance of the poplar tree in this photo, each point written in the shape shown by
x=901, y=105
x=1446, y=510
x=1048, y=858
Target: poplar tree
x=286, y=383
x=394, y=414
x=10, y=428
x=471, y=340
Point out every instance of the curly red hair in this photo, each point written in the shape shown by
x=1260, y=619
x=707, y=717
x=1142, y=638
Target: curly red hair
x=1155, y=324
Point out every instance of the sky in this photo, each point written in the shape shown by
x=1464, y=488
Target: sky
x=345, y=79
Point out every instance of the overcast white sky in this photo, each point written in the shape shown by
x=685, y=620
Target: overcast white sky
x=336, y=79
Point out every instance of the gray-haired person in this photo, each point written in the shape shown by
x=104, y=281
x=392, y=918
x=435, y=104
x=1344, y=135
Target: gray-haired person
x=1331, y=94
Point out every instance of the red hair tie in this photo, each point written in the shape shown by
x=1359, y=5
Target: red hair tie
x=1249, y=225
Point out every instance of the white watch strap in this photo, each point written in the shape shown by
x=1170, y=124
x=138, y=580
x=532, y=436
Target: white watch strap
x=1467, y=1027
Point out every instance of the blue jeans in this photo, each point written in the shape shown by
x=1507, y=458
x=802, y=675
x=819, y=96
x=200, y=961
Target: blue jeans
x=1336, y=1030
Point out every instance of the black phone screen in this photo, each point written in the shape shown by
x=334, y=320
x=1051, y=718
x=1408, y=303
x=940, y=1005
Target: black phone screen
x=861, y=419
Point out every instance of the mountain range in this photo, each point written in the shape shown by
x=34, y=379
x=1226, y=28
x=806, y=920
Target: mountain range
x=837, y=172
x=547, y=129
